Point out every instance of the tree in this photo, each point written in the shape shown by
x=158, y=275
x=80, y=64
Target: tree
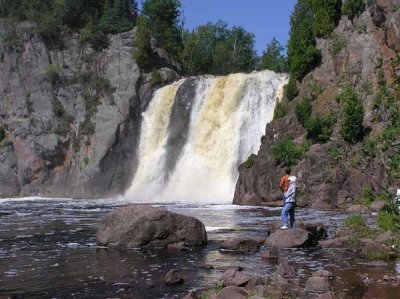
x=303, y=55
x=352, y=8
x=115, y=17
x=272, y=57
x=352, y=129
x=326, y=16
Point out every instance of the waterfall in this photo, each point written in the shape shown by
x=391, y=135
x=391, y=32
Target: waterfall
x=197, y=131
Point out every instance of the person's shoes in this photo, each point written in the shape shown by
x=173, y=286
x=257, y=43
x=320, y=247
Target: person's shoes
x=284, y=227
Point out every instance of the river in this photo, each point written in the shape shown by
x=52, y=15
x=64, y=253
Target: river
x=48, y=250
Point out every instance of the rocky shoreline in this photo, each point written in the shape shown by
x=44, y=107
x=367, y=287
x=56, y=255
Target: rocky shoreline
x=377, y=250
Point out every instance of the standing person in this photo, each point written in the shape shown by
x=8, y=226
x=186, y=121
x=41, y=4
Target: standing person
x=284, y=183
x=289, y=204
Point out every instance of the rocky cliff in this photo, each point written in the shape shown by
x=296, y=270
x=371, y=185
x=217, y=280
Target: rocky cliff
x=362, y=53
x=70, y=115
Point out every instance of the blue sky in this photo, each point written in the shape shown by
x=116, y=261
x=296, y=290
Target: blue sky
x=264, y=18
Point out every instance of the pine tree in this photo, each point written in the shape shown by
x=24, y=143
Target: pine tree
x=272, y=57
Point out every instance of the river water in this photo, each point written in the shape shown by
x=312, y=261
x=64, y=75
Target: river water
x=48, y=250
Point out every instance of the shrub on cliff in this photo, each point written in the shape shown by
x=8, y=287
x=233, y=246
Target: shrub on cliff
x=352, y=129
x=280, y=110
x=291, y=90
x=352, y=8
x=303, y=111
x=286, y=153
x=319, y=128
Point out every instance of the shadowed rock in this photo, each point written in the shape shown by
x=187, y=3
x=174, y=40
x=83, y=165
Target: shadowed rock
x=173, y=277
x=243, y=245
x=144, y=226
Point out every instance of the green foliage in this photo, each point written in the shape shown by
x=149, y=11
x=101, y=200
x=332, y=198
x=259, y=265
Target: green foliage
x=95, y=37
x=352, y=129
x=86, y=160
x=291, y=90
x=356, y=223
x=352, y=8
x=217, y=49
x=58, y=108
x=369, y=148
x=272, y=57
x=326, y=14
x=248, y=163
x=303, y=55
x=319, y=128
x=388, y=221
x=86, y=127
x=337, y=43
x=53, y=74
x=12, y=39
x=115, y=17
x=280, y=110
x=303, y=111
x=155, y=77
x=159, y=20
x=52, y=16
x=2, y=133
x=142, y=55
x=286, y=153
x=336, y=154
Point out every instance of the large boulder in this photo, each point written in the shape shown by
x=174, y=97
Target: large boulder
x=144, y=226
x=290, y=238
x=234, y=278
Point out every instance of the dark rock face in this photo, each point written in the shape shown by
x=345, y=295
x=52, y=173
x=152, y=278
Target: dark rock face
x=143, y=226
x=326, y=180
x=76, y=135
x=290, y=238
x=179, y=125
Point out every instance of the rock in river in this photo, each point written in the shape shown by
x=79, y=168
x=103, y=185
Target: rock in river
x=290, y=238
x=144, y=226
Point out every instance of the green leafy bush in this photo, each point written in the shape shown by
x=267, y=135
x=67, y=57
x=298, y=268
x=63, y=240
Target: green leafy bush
x=388, y=221
x=280, y=110
x=155, y=77
x=291, y=89
x=352, y=8
x=286, y=153
x=303, y=111
x=11, y=38
x=319, y=128
x=369, y=148
x=53, y=74
x=248, y=163
x=352, y=129
x=356, y=223
x=337, y=43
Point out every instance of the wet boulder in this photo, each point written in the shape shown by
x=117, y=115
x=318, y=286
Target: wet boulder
x=232, y=292
x=317, y=284
x=242, y=244
x=234, y=278
x=173, y=277
x=144, y=226
x=291, y=238
x=358, y=209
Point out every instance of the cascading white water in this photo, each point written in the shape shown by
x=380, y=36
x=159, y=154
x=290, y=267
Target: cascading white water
x=227, y=120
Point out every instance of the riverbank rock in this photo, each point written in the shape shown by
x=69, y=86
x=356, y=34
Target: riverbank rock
x=243, y=245
x=378, y=205
x=173, y=277
x=317, y=284
x=234, y=278
x=144, y=226
x=339, y=242
x=232, y=292
x=358, y=209
x=290, y=238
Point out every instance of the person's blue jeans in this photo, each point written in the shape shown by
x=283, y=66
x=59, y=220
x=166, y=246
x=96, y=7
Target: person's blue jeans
x=288, y=209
